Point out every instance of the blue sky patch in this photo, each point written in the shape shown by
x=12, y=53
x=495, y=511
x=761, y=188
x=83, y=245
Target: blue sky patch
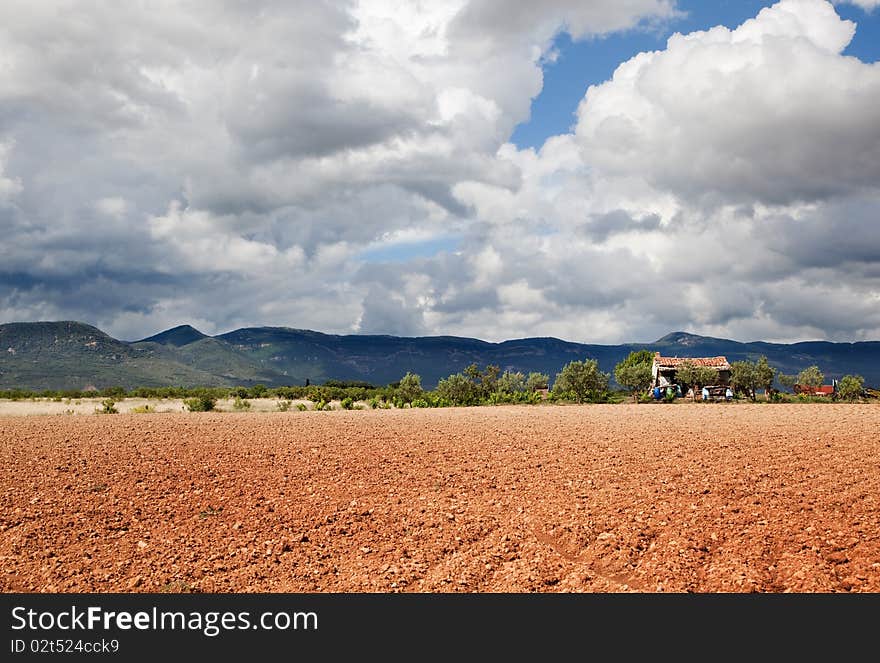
x=592, y=61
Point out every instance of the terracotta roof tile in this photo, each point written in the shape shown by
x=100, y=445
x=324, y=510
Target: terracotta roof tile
x=714, y=362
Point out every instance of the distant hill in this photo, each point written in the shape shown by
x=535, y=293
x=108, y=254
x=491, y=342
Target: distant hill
x=177, y=336
x=74, y=355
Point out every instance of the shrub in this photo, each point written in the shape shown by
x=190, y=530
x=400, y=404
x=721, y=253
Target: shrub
x=241, y=404
x=109, y=407
x=202, y=403
x=143, y=409
x=302, y=407
x=283, y=406
x=347, y=403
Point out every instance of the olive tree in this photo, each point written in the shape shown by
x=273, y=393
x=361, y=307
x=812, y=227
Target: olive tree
x=811, y=378
x=458, y=389
x=634, y=372
x=764, y=375
x=693, y=376
x=582, y=379
x=511, y=382
x=410, y=387
x=850, y=387
x=748, y=376
x=743, y=377
x=537, y=381
x=788, y=381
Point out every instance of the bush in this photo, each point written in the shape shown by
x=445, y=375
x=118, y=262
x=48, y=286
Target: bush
x=143, y=409
x=283, y=406
x=347, y=403
x=109, y=407
x=302, y=407
x=241, y=404
x=202, y=403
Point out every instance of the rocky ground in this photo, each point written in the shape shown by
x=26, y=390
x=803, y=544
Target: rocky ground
x=616, y=498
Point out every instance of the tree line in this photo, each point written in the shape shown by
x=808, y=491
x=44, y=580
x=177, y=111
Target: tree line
x=577, y=382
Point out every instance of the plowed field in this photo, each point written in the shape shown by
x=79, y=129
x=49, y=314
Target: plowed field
x=616, y=498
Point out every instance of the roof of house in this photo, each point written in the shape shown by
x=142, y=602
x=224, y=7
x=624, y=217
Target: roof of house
x=824, y=390
x=719, y=362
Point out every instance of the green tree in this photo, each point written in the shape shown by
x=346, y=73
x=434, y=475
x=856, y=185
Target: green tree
x=489, y=378
x=511, y=382
x=634, y=372
x=458, y=389
x=485, y=381
x=850, y=387
x=582, y=379
x=695, y=377
x=788, y=381
x=410, y=387
x=537, y=381
x=810, y=379
x=764, y=375
x=472, y=373
x=744, y=378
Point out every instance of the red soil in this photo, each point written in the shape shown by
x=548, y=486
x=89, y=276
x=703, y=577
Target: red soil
x=647, y=498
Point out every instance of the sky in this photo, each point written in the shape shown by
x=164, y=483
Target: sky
x=601, y=172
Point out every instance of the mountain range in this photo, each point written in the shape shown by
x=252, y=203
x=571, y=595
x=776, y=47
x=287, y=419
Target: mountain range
x=75, y=355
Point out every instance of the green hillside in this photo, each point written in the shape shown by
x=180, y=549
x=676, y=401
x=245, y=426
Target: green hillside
x=73, y=355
